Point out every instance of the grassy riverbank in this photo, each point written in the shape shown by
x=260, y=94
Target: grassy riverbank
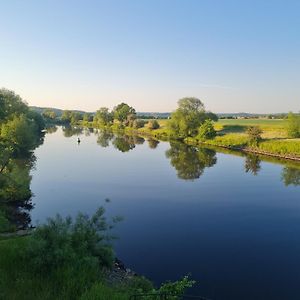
x=231, y=134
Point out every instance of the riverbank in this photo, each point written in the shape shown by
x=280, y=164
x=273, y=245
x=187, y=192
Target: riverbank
x=283, y=148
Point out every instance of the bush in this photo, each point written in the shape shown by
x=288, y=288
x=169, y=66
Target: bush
x=64, y=242
x=153, y=124
x=206, y=130
x=254, y=133
x=293, y=125
x=138, y=123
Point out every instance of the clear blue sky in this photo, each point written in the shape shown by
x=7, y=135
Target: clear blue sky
x=234, y=55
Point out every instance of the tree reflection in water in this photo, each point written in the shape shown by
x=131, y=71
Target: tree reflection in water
x=152, y=143
x=252, y=164
x=291, y=176
x=70, y=131
x=15, y=193
x=189, y=161
x=104, y=137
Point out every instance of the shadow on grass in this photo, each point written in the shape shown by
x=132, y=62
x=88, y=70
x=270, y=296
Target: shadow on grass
x=233, y=129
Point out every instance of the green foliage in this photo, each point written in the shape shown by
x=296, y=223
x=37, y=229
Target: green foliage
x=281, y=147
x=293, y=125
x=11, y=105
x=254, y=134
x=178, y=288
x=103, y=117
x=122, y=111
x=206, y=130
x=186, y=120
x=49, y=114
x=75, y=117
x=138, y=123
x=87, y=117
x=66, y=116
x=20, y=132
x=64, y=242
x=153, y=124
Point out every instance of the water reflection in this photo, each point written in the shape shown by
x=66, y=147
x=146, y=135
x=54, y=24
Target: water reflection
x=290, y=176
x=15, y=193
x=104, y=137
x=252, y=164
x=152, y=143
x=70, y=131
x=190, y=162
x=51, y=129
x=123, y=143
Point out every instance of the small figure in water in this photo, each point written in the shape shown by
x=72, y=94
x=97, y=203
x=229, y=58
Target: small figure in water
x=78, y=141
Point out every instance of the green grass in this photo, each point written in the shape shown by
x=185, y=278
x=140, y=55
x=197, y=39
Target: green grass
x=281, y=147
x=18, y=282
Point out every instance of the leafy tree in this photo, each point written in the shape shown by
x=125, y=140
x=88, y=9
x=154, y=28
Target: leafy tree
x=75, y=117
x=87, y=117
x=206, y=130
x=103, y=117
x=20, y=133
x=122, y=111
x=130, y=120
x=153, y=124
x=186, y=120
x=254, y=134
x=49, y=114
x=11, y=105
x=190, y=162
x=66, y=116
x=293, y=125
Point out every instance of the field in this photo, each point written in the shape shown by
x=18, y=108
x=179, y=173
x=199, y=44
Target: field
x=271, y=128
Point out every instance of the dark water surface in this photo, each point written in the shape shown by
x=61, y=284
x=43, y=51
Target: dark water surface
x=231, y=221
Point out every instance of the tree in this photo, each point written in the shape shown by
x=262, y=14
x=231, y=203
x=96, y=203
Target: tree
x=76, y=117
x=122, y=111
x=153, y=124
x=293, y=125
x=254, y=133
x=87, y=117
x=186, y=120
x=206, y=130
x=103, y=117
x=20, y=133
x=49, y=114
x=11, y=104
x=66, y=116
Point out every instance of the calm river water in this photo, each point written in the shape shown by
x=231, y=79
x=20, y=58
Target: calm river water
x=231, y=221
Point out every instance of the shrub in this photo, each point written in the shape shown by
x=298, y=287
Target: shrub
x=293, y=125
x=64, y=242
x=254, y=134
x=206, y=130
x=153, y=124
x=138, y=123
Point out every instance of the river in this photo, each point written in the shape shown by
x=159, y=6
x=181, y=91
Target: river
x=231, y=221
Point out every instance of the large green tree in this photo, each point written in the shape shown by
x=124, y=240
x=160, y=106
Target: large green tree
x=122, y=111
x=103, y=117
x=186, y=120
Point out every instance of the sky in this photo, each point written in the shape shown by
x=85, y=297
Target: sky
x=236, y=56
